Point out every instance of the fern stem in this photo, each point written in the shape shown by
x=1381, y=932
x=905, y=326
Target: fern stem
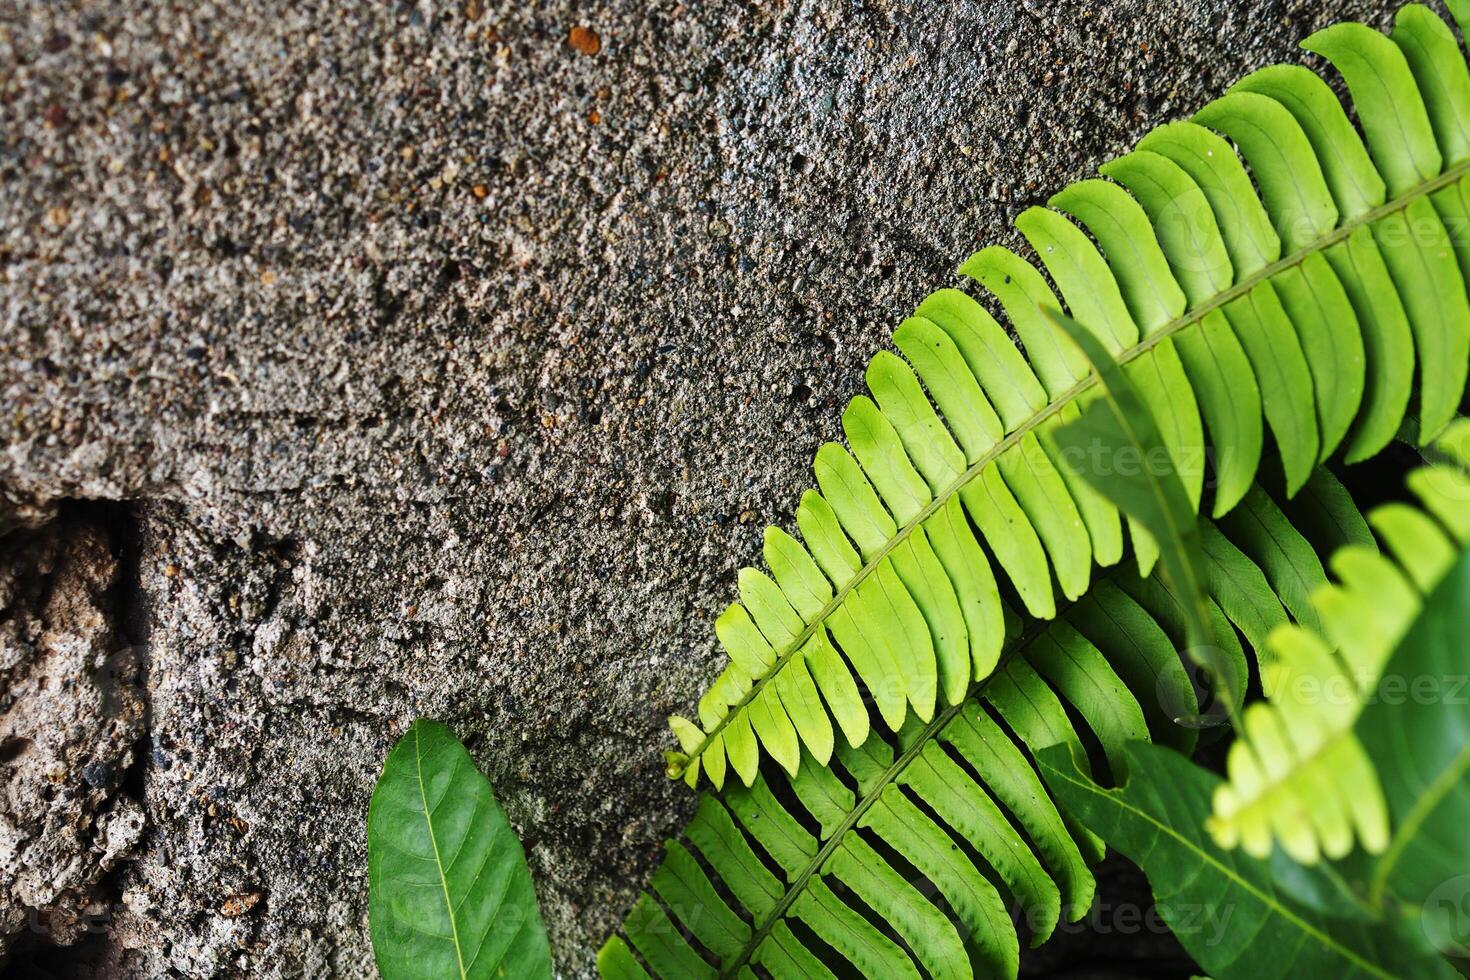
x=928, y=732
x=1413, y=820
x=1189, y=319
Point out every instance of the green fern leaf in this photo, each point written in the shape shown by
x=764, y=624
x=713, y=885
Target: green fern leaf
x=1403, y=141
x=1121, y=426
x=1228, y=911
x=449, y=891
x=1300, y=775
x=1317, y=295
x=1224, y=303
x=764, y=869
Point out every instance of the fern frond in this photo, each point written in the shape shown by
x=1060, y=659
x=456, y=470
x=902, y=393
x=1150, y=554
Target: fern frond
x=783, y=873
x=1298, y=775
x=763, y=871
x=792, y=871
x=1318, y=295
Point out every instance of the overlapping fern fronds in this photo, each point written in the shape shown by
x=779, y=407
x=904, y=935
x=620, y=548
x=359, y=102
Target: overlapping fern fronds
x=780, y=873
x=1299, y=775
x=775, y=873
x=1313, y=291
x=1318, y=296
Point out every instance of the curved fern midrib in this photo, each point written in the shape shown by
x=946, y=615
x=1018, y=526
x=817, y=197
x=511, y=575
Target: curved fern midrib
x=866, y=801
x=1449, y=176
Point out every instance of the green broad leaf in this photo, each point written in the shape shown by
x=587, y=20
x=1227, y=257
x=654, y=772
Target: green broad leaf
x=1226, y=908
x=449, y=891
x=1300, y=778
x=1117, y=447
x=1420, y=745
x=1321, y=887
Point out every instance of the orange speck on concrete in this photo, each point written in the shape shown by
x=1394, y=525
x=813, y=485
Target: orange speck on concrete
x=585, y=40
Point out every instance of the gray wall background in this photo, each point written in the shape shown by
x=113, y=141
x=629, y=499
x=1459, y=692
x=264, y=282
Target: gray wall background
x=412, y=362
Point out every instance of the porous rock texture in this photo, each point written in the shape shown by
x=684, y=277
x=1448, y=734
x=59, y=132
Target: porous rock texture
x=71, y=720
x=414, y=360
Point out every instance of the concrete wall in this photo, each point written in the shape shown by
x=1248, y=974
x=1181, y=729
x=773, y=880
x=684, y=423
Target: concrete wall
x=413, y=360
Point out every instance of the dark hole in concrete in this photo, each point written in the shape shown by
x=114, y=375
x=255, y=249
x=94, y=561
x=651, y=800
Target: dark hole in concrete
x=11, y=749
x=92, y=955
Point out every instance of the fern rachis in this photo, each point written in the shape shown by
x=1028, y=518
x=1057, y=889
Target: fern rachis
x=1315, y=296
x=1087, y=677
x=1068, y=397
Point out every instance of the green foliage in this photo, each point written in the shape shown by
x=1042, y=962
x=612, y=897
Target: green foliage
x=1318, y=296
x=449, y=891
x=1299, y=774
x=958, y=607
x=770, y=874
x=1227, y=909
x=1376, y=912
x=775, y=874
x=1420, y=747
x=1121, y=424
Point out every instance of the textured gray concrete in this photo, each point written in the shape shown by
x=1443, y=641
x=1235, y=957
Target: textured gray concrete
x=444, y=368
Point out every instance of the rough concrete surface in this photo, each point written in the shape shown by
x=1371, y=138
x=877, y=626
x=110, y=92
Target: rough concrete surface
x=72, y=718
x=376, y=360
